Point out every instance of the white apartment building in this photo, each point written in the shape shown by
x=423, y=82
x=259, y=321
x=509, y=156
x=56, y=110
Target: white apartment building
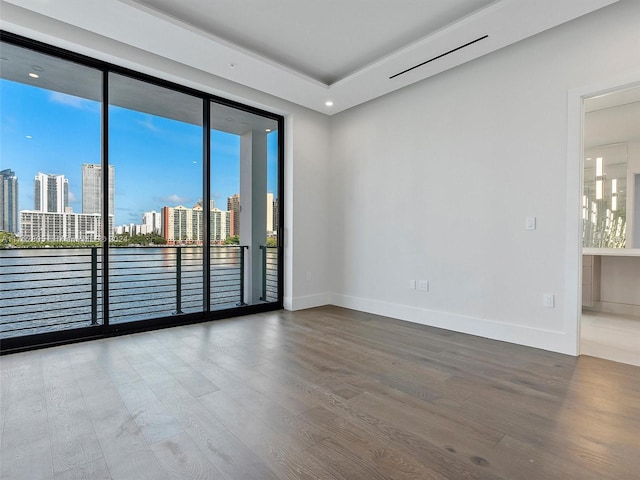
x=50, y=193
x=61, y=227
x=153, y=221
x=182, y=225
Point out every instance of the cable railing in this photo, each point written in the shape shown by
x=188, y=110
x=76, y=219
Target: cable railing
x=47, y=289
x=270, y=274
x=227, y=276
x=149, y=282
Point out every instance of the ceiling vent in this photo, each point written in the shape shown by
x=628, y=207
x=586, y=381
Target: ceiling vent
x=439, y=56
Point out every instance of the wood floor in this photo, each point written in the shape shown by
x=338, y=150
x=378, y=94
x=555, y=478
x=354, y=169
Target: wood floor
x=325, y=393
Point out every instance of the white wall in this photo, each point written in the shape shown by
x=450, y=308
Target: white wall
x=435, y=181
x=72, y=24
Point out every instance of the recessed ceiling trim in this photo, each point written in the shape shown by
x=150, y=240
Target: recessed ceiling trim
x=439, y=56
x=111, y=30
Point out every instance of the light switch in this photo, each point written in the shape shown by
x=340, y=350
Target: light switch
x=548, y=300
x=530, y=223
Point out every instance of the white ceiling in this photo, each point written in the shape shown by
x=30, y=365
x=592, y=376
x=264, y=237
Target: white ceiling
x=326, y=40
x=617, y=98
x=348, y=51
x=309, y=51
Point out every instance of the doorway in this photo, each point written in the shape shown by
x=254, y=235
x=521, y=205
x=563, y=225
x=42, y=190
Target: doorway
x=610, y=206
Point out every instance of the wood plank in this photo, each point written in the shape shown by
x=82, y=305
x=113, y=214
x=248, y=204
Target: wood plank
x=26, y=446
x=386, y=461
x=181, y=459
x=123, y=444
x=234, y=459
x=94, y=470
x=325, y=393
x=282, y=453
x=154, y=420
x=73, y=439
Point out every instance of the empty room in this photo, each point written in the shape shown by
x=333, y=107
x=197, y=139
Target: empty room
x=319, y=240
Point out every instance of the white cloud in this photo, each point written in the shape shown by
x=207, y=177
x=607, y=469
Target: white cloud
x=148, y=124
x=176, y=199
x=74, y=102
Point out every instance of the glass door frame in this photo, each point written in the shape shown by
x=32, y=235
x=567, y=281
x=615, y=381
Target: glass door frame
x=26, y=342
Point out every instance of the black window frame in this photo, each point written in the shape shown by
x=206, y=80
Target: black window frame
x=40, y=340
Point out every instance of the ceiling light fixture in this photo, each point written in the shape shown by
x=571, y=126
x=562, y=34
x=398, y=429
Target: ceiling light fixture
x=599, y=179
x=267, y=130
x=329, y=103
x=34, y=75
x=37, y=68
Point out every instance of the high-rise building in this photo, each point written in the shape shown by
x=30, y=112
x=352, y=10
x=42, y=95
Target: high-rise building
x=269, y=213
x=276, y=215
x=233, y=206
x=212, y=204
x=92, y=188
x=39, y=226
x=177, y=225
x=50, y=193
x=152, y=221
x=8, y=201
x=182, y=225
x=219, y=225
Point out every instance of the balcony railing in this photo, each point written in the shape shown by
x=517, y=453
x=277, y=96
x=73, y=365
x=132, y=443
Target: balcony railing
x=45, y=289
x=55, y=289
x=270, y=274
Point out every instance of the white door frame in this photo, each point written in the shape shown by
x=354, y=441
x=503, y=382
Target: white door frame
x=573, y=237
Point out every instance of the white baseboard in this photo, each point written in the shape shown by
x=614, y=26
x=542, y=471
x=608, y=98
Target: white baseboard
x=309, y=301
x=616, y=308
x=551, y=340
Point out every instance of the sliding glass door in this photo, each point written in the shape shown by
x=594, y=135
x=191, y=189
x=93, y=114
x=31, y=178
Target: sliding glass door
x=129, y=202
x=155, y=163
x=244, y=175
x=49, y=244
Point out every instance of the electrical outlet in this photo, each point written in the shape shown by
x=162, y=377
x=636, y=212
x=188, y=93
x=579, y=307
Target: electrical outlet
x=423, y=285
x=412, y=284
x=548, y=300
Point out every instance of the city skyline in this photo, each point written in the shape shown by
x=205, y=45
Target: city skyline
x=54, y=133
x=53, y=220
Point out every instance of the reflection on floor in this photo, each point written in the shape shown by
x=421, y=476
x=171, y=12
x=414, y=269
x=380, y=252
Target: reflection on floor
x=610, y=336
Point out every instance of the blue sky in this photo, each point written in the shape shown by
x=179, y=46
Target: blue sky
x=157, y=161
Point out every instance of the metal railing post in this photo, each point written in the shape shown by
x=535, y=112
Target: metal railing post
x=263, y=297
x=94, y=285
x=178, y=280
x=242, y=249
